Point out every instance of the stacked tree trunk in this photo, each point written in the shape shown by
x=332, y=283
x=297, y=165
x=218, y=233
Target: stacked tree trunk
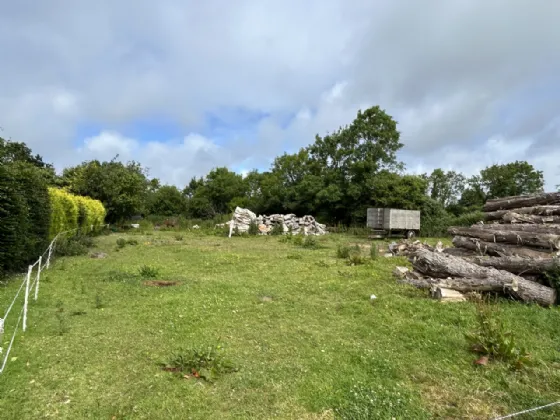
x=515, y=251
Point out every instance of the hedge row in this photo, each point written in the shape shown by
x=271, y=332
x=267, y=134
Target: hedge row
x=31, y=214
x=71, y=211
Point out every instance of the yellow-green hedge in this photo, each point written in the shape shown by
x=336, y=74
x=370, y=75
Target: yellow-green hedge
x=69, y=211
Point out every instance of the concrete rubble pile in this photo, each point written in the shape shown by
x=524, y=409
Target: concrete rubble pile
x=289, y=223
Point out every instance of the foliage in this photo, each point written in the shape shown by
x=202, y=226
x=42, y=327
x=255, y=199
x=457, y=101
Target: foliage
x=434, y=220
x=121, y=243
x=344, y=251
x=206, y=363
x=552, y=277
x=73, y=245
x=356, y=258
x=277, y=229
x=310, y=242
x=516, y=178
x=64, y=215
x=166, y=201
x=121, y=188
x=446, y=187
x=91, y=213
x=148, y=271
x=253, y=229
x=494, y=340
x=373, y=251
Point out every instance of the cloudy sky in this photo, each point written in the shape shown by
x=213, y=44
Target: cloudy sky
x=184, y=86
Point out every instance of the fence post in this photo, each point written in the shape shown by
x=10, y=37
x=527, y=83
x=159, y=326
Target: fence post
x=38, y=277
x=26, y=301
x=49, y=256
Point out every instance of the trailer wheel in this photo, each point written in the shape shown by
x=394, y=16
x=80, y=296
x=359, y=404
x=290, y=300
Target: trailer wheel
x=410, y=234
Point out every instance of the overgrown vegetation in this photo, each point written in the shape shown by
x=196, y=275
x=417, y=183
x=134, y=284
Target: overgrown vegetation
x=207, y=363
x=72, y=245
x=148, y=272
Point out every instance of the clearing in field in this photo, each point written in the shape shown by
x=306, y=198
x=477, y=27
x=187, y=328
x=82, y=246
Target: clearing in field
x=205, y=327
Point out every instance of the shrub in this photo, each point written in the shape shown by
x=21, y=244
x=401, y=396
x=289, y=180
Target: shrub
x=253, y=229
x=374, y=251
x=356, y=258
x=121, y=243
x=132, y=242
x=344, y=251
x=277, y=229
x=179, y=237
x=73, y=245
x=310, y=242
x=64, y=214
x=297, y=239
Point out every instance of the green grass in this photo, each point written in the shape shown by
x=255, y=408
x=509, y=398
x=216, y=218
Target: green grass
x=302, y=334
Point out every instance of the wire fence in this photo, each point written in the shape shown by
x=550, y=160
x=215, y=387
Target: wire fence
x=30, y=284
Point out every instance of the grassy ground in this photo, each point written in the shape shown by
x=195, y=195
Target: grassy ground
x=297, y=323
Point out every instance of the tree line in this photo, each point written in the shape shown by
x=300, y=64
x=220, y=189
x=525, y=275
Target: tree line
x=336, y=178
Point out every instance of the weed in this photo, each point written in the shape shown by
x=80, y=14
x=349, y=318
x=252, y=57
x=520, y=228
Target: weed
x=277, y=229
x=356, y=258
x=204, y=363
x=310, y=242
x=99, y=302
x=147, y=271
x=62, y=323
x=493, y=340
x=179, y=237
x=74, y=245
x=253, y=229
x=344, y=251
x=294, y=256
x=297, y=240
x=374, y=252
x=132, y=242
x=121, y=243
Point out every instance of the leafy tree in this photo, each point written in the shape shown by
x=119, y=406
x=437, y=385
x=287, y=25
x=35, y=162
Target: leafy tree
x=446, y=187
x=389, y=189
x=516, y=178
x=12, y=152
x=122, y=188
x=166, y=201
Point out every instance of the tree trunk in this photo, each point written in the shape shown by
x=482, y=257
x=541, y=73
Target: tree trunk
x=498, y=249
x=538, y=210
x=460, y=284
x=447, y=295
x=442, y=266
x=513, y=217
x=553, y=229
x=522, y=201
x=542, y=240
x=517, y=265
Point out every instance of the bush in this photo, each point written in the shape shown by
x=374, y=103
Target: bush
x=374, y=251
x=344, y=251
x=253, y=229
x=310, y=242
x=277, y=229
x=64, y=214
x=67, y=246
x=121, y=243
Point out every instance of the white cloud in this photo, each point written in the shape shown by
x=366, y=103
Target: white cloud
x=470, y=82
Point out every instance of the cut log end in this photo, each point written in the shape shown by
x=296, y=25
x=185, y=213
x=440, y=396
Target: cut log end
x=447, y=295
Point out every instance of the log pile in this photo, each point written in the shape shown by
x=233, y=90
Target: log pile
x=513, y=253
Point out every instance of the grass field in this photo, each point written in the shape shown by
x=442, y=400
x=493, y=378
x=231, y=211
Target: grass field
x=296, y=323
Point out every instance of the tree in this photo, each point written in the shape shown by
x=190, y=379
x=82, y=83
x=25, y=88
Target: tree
x=12, y=152
x=166, y=201
x=446, y=187
x=389, y=189
x=122, y=188
x=516, y=178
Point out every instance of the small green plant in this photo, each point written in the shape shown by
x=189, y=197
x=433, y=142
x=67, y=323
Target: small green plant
x=552, y=277
x=344, y=251
x=493, y=340
x=203, y=363
x=297, y=239
x=253, y=229
x=62, y=326
x=132, y=242
x=99, y=302
x=310, y=242
x=179, y=237
x=374, y=252
x=356, y=258
x=294, y=256
x=147, y=271
x=277, y=229
x=121, y=243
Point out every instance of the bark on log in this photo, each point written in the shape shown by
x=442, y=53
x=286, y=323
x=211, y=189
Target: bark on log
x=441, y=265
x=553, y=229
x=498, y=249
x=522, y=201
x=537, y=210
x=516, y=265
x=463, y=285
x=513, y=217
x=541, y=240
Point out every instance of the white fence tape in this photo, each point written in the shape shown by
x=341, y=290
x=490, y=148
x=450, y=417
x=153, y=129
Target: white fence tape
x=41, y=266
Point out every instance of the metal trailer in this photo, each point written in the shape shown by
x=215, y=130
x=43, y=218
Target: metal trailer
x=389, y=222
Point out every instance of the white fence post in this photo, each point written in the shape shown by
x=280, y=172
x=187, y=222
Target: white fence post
x=26, y=301
x=38, y=277
x=49, y=256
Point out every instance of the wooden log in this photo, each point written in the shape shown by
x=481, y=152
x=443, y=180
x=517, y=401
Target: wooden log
x=540, y=240
x=498, y=249
x=554, y=229
x=517, y=265
x=522, y=201
x=513, y=217
x=537, y=210
x=442, y=266
x=447, y=295
x=463, y=285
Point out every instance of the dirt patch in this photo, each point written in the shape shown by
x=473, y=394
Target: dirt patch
x=161, y=283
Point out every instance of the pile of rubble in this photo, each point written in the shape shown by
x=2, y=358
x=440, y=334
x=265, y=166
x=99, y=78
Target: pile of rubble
x=288, y=223
x=512, y=252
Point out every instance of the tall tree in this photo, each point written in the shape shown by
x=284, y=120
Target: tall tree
x=166, y=201
x=516, y=178
x=446, y=187
x=122, y=188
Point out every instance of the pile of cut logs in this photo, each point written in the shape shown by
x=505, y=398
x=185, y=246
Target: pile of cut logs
x=511, y=252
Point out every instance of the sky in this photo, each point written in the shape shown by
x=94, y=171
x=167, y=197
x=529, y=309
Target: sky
x=184, y=86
